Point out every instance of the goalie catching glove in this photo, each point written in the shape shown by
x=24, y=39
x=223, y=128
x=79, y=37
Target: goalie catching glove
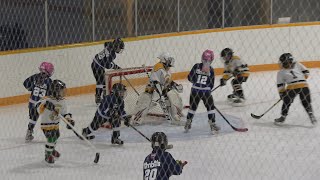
x=68, y=118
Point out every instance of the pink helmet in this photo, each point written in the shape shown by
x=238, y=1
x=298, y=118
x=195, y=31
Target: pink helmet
x=207, y=56
x=47, y=68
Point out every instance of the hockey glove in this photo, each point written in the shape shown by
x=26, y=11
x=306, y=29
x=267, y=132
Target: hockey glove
x=222, y=82
x=282, y=94
x=127, y=120
x=182, y=163
x=68, y=118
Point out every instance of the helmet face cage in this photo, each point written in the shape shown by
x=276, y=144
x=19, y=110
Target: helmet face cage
x=167, y=60
x=119, y=89
x=159, y=139
x=226, y=54
x=57, y=89
x=207, y=56
x=47, y=68
x=286, y=60
x=118, y=45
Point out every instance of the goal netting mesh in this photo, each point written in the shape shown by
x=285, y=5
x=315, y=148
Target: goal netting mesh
x=70, y=33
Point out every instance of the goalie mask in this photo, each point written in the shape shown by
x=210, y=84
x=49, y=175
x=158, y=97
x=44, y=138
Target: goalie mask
x=57, y=89
x=159, y=139
x=226, y=55
x=119, y=90
x=286, y=60
x=206, y=59
x=166, y=60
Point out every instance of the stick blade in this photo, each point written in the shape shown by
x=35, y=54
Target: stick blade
x=241, y=129
x=96, y=159
x=255, y=116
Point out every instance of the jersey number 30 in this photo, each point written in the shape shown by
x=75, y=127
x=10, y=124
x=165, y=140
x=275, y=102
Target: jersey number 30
x=202, y=79
x=150, y=174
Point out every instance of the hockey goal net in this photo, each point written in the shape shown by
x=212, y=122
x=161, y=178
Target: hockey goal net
x=135, y=79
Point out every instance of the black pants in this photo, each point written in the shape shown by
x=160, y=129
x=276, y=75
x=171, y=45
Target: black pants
x=98, y=73
x=305, y=98
x=98, y=121
x=194, y=100
x=236, y=85
x=33, y=115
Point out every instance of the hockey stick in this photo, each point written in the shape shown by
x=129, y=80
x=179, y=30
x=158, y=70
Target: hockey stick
x=170, y=146
x=96, y=159
x=258, y=117
x=234, y=128
x=131, y=85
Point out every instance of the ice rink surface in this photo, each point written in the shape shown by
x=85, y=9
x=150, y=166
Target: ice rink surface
x=265, y=152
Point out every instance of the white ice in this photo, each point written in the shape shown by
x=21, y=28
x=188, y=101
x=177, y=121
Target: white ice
x=264, y=152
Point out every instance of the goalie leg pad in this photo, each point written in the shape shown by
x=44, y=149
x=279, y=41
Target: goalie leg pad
x=175, y=104
x=142, y=107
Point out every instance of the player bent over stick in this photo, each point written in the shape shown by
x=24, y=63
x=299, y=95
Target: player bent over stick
x=112, y=110
x=291, y=81
x=49, y=109
x=160, y=164
x=161, y=82
x=202, y=78
x=234, y=66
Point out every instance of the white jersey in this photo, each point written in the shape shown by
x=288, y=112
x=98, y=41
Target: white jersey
x=292, y=78
x=235, y=64
x=160, y=74
x=50, y=120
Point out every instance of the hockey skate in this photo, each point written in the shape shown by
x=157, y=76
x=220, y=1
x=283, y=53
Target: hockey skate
x=187, y=126
x=55, y=154
x=49, y=159
x=213, y=127
x=231, y=97
x=313, y=119
x=86, y=135
x=29, y=136
x=280, y=120
x=116, y=141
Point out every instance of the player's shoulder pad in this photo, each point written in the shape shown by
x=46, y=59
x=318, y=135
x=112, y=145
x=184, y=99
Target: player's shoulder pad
x=235, y=58
x=158, y=66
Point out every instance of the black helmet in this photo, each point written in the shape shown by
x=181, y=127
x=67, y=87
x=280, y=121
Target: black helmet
x=159, y=139
x=118, y=45
x=108, y=45
x=226, y=52
x=119, y=89
x=56, y=89
x=286, y=60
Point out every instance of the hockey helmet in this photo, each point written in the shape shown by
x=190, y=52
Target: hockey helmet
x=119, y=89
x=226, y=54
x=286, y=60
x=166, y=59
x=207, y=56
x=57, y=89
x=46, y=68
x=159, y=139
x=118, y=45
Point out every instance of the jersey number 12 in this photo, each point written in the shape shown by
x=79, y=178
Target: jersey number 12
x=202, y=79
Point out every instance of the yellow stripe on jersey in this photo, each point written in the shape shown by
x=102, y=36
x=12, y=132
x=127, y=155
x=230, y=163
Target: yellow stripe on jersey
x=297, y=85
x=235, y=58
x=226, y=76
x=42, y=108
x=50, y=127
x=158, y=66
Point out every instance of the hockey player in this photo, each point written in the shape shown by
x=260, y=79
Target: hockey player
x=102, y=60
x=49, y=109
x=234, y=66
x=160, y=165
x=291, y=81
x=160, y=82
x=112, y=110
x=202, y=78
x=38, y=84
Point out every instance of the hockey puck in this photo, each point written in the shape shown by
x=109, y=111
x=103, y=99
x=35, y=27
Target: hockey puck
x=96, y=159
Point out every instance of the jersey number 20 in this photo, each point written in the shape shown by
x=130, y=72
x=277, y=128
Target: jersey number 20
x=150, y=174
x=202, y=79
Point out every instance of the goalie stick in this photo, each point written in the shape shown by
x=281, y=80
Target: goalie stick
x=97, y=156
x=258, y=117
x=170, y=146
x=234, y=128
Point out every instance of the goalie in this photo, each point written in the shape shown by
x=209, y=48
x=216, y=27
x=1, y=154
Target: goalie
x=160, y=82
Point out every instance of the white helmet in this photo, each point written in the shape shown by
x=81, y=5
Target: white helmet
x=166, y=59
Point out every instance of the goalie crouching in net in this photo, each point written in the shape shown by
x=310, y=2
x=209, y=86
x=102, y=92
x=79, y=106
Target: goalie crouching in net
x=161, y=82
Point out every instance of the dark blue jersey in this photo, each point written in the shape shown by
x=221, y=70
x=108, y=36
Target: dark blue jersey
x=111, y=106
x=105, y=58
x=160, y=165
x=202, y=81
x=38, y=85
